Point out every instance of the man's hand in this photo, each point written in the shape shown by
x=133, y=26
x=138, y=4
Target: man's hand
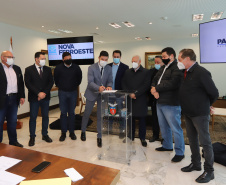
x=156, y=95
x=133, y=96
x=211, y=110
x=101, y=88
x=22, y=100
x=41, y=95
x=108, y=88
x=153, y=90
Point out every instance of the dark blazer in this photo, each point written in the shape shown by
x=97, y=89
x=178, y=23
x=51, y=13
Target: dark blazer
x=168, y=88
x=35, y=84
x=119, y=75
x=152, y=99
x=3, y=85
x=197, y=92
x=140, y=83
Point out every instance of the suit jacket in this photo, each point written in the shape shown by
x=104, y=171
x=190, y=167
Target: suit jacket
x=35, y=84
x=95, y=80
x=119, y=75
x=3, y=85
x=140, y=83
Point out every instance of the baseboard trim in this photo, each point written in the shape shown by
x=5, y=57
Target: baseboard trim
x=27, y=114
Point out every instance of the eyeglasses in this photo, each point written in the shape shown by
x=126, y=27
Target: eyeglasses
x=10, y=57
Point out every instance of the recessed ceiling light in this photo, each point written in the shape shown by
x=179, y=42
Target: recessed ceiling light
x=100, y=41
x=97, y=28
x=138, y=38
x=195, y=35
x=54, y=31
x=128, y=24
x=114, y=25
x=147, y=38
x=216, y=15
x=42, y=26
x=164, y=18
x=197, y=17
x=150, y=23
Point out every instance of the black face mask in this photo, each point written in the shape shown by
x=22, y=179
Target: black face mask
x=68, y=62
x=166, y=61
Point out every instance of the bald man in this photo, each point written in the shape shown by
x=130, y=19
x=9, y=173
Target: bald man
x=11, y=95
x=137, y=79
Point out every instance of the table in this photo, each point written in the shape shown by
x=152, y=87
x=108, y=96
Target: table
x=218, y=112
x=93, y=174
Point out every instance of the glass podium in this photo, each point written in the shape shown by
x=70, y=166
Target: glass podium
x=116, y=122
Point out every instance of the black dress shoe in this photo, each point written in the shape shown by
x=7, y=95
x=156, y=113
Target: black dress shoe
x=205, y=177
x=99, y=142
x=177, y=158
x=17, y=144
x=62, y=137
x=191, y=168
x=31, y=141
x=83, y=136
x=153, y=139
x=161, y=149
x=47, y=139
x=73, y=136
x=144, y=143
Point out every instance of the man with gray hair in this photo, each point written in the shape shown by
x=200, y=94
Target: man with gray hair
x=137, y=79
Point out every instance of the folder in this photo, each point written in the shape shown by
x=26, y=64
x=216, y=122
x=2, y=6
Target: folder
x=54, y=181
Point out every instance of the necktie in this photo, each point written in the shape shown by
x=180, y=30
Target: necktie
x=40, y=72
x=101, y=71
x=185, y=73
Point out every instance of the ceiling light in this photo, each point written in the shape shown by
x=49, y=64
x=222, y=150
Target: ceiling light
x=54, y=31
x=216, y=15
x=150, y=23
x=42, y=26
x=100, y=41
x=138, y=38
x=114, y=25
x=97, y=28
x=65, y=31
x=128, y=24
x=147, y=38
x=198, y=17
x=195, y=35
x=164, y=18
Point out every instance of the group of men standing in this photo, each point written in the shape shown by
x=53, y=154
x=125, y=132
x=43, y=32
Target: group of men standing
x=175, y=85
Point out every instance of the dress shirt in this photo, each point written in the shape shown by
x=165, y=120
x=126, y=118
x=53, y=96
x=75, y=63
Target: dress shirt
x=11, y=79
x=100, y=69
x=114, y=72
x=38, y=68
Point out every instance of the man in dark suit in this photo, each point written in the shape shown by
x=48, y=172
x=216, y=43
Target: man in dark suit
x=197, y=93
x=39, y=81
x=138, y=79
x=118, y=70
x=99, y=79
x=11, y=95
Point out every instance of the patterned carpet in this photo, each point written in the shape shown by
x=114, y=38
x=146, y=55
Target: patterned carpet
x=217, y=135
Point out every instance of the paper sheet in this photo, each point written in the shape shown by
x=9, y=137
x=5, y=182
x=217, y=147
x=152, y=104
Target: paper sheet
x=55, y=181
x=109, y=91
x=7, y=162
x=73, y=174
x=9, y=178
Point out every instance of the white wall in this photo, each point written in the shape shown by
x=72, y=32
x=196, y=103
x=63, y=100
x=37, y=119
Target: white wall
x=25, y=43
x=140, y=47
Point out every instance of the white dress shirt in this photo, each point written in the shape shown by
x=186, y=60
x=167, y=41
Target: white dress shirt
x=11, y=79
x=38, y=68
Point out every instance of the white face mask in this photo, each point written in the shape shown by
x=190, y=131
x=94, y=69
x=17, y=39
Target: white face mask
x=103, y=63
x=42, y=62
x=10, y=61
x=180, y=65
x=135, y=65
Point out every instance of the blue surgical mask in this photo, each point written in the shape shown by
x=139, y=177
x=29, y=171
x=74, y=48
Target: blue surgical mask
x=116, y=60
x=157, y=66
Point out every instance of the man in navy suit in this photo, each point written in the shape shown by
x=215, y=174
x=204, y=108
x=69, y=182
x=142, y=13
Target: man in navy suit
x=118, y=70
x=99, y=79
x=39, y=81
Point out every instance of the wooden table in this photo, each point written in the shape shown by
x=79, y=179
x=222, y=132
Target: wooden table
x=93, y=174
x=218, y=112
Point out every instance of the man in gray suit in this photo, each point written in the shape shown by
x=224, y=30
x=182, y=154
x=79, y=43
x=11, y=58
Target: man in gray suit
x=99, y=79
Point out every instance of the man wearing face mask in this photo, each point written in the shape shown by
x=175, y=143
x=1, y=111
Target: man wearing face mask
x=165, y=88
x=137, y=79
x=197, y=93
x=99, y=79
x=118, y=70
x=11, y=95
x=152, y=100
x=67, y=77
x=39, y=81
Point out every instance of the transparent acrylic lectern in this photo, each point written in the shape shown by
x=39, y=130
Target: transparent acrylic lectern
x=116, y=120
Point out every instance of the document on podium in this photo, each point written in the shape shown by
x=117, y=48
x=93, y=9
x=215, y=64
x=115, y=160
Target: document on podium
x=109, y=91
x=7, y=162
x=54, y=181
x=10, y=178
